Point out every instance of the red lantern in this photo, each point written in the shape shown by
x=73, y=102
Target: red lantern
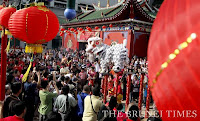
x=96, y=27
x=72, y=29
x=5, y=14
x=83, y=32
x=89, y=29
x=80, y=29
x=173, y=59
x=76, y=32
x=34, y=25
x=69, y=34
x=69, y=28
x=104, y=27
x=110, y=25
x=62, y=29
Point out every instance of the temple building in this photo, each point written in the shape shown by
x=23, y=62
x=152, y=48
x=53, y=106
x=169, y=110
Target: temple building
x=128, y=19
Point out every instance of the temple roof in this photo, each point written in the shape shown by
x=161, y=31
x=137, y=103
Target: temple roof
x=121, y=11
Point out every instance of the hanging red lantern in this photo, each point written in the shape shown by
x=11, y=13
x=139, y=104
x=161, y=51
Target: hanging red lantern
x=69, y=34
x=5, y=14
x=80, y=29
x=89, y=29
x=69, y=28
x=96, y=27
x=104, y=27
x=173, y=60
x=62, y=29
x=76, y=32
x=110, y=25
x=72, y=29
x=34, y=25
x=83, y=32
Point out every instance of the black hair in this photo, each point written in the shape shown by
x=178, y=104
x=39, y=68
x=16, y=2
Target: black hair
x=44, y=84
x=65, y=90
x=16, y=62
x=86, y=88
x=18, y=108
x=112, y=102
x=62, y=78
x=59, y=85
x=96, y=91
x=16, y=86
x=120, y=107
x=153, y=119
x=134, y=112
x=53, y=116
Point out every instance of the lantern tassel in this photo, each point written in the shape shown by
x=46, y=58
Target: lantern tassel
x=8, y=47
x=24, y=78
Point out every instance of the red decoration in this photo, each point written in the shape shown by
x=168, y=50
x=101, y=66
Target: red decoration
x=76, y=32
x=62, y=29
x=72, y=29
x=69, y=28
x=5, y=14
x=69, y=34
x=89, y=29
x=83, y=32
x=110, y=25
x=103, y=27
x=80, y=29
x=34, y=25
x=173, y=60
x=96, y=27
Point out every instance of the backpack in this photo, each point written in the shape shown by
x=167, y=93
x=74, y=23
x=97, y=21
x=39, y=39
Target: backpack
x=68, y=114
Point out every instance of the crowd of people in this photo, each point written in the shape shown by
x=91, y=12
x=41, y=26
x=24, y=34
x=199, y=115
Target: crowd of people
x=63, y=85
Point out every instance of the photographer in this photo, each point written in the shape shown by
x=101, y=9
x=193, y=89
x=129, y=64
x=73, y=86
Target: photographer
x=46, y=98
x=65, y=103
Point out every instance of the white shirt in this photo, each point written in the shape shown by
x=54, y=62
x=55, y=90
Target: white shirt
x=60, y=102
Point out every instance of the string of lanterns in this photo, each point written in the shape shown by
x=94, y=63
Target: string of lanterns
x=77, y=30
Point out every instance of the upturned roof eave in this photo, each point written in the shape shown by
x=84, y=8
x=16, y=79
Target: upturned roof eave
x=111, y=22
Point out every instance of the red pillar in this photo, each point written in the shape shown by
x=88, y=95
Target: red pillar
x=147, y=101
x=141, y=92
x=128, y=87
x=105, y=87
x=3, y=64
x=116, y=84
x=102, y=85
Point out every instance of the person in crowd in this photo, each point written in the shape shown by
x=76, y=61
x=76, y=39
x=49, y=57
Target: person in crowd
x=107, y=112
x=153, y=119
x=133, y=113
x=53, y=116
x=81, y=97
x=7, y=91
x=83, y=76
x=65, y=102
x=19, y=112
x=92, y=105
x=46, y=98
x=11, y=100
x=29, y=95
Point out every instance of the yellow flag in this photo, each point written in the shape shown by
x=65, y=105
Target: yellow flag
x=8, y=47
x=24, y=78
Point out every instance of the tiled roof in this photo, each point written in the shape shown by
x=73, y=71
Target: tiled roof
x=97, y=14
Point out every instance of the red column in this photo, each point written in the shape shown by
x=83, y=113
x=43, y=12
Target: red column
x=102, y=85
x=147, y=101
x=141, y=91
x=105, y=87
x=116, y=84
x=3, y=64
x=128, y=87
